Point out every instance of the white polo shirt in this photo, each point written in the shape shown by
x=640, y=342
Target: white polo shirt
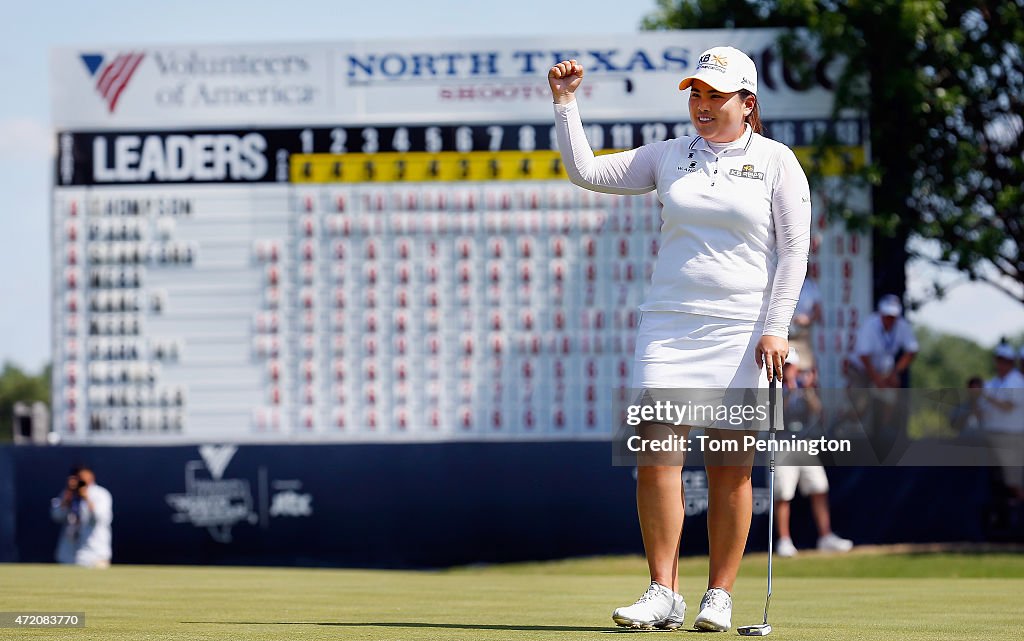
x=736, y=222
x=1008, y=388
x=882, y=346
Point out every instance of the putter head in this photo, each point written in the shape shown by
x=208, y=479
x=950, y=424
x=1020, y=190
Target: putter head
x=760, y=630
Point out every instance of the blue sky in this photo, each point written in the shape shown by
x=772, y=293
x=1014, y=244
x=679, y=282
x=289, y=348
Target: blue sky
x=30, y=29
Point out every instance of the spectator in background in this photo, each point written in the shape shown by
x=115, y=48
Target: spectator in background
x=880, y=340
x=802, y=410
x=85, y=511
x=805, y=318
x=800, y=399
x=884, y=350
x=1002, y=407
x=967, y=416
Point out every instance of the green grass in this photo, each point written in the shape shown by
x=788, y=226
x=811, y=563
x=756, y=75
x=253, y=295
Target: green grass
x=857, y=596
x=860, y=564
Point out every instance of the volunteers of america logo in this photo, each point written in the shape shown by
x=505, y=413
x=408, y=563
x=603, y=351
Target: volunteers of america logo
x=112, y=76
x=219, y=504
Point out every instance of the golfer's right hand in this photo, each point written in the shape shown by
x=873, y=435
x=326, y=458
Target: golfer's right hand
x=563, y=79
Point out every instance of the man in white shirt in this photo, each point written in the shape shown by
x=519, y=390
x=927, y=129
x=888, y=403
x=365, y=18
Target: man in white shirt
x=1002, y=407
x=885, y=348
x=802, y=410
x=86, y=511
x=880, y=340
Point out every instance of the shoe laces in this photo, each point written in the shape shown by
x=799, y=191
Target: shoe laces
x=650, y=594
x=717, y=599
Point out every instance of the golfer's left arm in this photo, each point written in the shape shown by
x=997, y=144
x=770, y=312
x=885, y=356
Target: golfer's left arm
x=791, y=213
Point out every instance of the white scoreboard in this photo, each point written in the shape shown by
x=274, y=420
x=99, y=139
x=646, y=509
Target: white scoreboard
x=373, y=240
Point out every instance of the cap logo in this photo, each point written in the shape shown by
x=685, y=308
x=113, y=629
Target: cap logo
x=713, y=62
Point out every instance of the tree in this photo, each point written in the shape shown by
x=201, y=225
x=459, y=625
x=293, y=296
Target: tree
x=17, y=386
x=942, y=84
x=945, y=361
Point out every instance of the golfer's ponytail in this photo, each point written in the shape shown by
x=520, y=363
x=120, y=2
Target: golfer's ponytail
x=754, y=119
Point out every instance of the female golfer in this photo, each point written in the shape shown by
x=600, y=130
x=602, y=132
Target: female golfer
x=732, y=259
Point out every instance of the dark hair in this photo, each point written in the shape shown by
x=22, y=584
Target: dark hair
x=755, y=116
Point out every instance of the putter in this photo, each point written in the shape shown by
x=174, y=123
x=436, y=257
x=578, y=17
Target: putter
x=764, y=629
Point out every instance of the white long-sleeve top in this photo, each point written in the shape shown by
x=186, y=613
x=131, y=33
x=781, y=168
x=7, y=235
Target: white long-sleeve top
x=735, y=222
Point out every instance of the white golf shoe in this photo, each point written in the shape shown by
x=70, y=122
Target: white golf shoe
x=658, y=608
x=832, y=543
x=715, y=611
x=785, y=548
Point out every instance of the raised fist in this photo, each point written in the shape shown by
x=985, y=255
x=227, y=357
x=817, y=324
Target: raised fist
x=563, y=79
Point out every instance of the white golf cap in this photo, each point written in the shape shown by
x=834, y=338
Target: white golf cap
x=889, y=305
x=1005, y=350
x=726, y=69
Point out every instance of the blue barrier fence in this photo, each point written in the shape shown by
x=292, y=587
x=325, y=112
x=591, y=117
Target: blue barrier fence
x=424, y=505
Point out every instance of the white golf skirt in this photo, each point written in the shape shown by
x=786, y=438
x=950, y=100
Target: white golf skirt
x=679, y=350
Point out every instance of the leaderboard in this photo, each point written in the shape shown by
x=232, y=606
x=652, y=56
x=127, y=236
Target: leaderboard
x=407, y=280
x=414, y=281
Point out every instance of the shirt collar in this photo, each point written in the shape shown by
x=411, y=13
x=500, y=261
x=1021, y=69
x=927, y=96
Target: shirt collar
x=740, y=144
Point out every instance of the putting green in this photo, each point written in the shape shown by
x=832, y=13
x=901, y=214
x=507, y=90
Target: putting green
x=856, y=596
